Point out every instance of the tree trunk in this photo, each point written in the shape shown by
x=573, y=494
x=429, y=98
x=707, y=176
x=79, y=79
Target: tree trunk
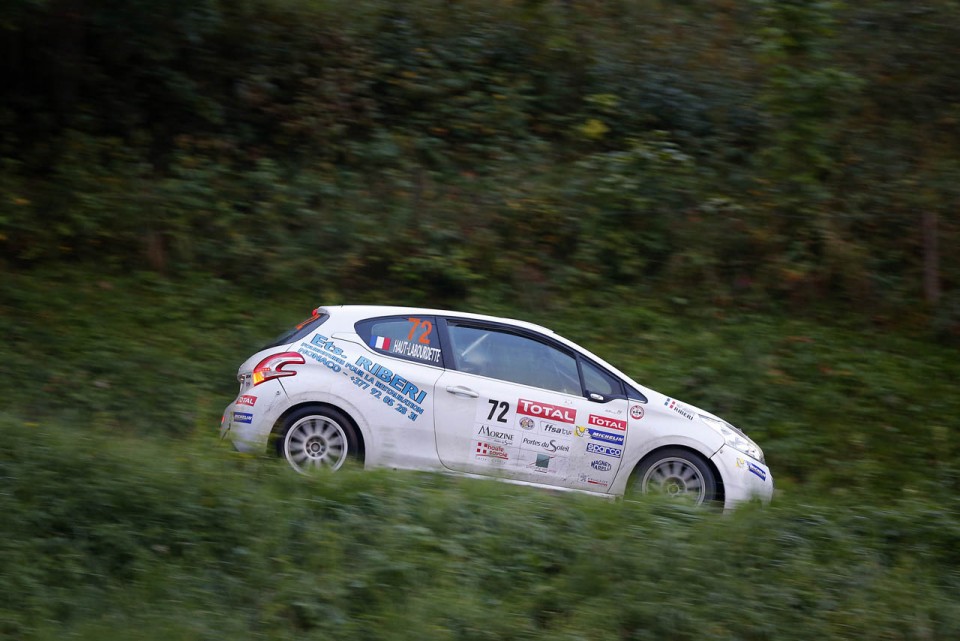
x=931, y=258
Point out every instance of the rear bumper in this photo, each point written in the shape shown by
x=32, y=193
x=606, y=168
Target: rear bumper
x=248, y=421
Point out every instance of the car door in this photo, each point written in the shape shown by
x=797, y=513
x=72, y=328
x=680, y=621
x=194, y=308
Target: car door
x=511, y=403
x=396, y=377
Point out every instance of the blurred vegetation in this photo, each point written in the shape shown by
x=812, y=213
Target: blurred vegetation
x=783, y=151
x=105, y=537
x=750, y=206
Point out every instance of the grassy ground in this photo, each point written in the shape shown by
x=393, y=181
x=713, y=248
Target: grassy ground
x=123, y=518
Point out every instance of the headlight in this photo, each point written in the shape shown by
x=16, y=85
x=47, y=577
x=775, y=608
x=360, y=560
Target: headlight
x=734, y=437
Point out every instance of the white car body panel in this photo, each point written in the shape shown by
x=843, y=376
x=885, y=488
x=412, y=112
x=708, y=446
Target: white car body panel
x=408, y=419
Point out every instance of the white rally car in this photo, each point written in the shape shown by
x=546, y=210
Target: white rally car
x=477, y=395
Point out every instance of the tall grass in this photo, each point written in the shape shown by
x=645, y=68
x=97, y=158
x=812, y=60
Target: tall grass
x=121, y=517
x=107, y=537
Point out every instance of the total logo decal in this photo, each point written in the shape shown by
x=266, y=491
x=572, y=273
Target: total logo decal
x=491, y=451
x=636, y=412
x=547, y=411
x=678, y=408
x=598, y=435
x=246, y=399
x=604, y=450
x=753, y=468
x=611, y=423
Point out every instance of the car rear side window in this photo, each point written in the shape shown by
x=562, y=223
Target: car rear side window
x=299, y=331
x=412, y=338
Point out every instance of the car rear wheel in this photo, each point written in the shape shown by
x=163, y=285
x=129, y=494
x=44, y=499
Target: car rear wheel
x=677, y=473
x=315, y=438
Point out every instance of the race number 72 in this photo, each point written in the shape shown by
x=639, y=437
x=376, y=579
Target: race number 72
x=503, y=406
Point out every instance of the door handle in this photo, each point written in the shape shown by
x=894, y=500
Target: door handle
x=460, y=390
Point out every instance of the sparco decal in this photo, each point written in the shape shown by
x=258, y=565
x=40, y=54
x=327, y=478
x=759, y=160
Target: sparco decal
x=246, y=399
x=611, y=423
x=604, y=450
x=548, y=411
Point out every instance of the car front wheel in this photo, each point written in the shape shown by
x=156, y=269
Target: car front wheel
x=315, y=438
x=677, y=473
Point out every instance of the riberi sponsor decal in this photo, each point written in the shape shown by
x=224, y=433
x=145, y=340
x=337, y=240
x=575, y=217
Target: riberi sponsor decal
x=397, y=382
x=678, y=408
x=547, y=411
x=610, y=423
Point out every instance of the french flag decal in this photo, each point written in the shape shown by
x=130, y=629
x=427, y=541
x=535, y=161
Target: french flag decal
x=380, y=342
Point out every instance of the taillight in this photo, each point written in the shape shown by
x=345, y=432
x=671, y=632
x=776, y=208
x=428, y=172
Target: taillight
x=272, y=366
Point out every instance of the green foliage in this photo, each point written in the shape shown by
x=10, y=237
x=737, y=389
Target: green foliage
x=107, y=537
x=780, y=151
x=734, y=191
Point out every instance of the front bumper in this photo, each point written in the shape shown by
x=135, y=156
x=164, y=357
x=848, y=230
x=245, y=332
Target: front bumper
x=744, y=478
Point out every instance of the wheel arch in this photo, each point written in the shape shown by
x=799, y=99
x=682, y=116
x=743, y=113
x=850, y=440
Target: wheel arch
x=274, y=441
x=721, y=493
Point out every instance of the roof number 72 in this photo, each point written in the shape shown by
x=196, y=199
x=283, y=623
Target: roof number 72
x=424, y=325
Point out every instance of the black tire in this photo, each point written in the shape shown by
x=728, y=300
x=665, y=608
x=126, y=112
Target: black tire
x=314, y=438
x=676, y=472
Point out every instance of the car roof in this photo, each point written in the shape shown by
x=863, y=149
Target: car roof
x=354, y=313
x=359, y=312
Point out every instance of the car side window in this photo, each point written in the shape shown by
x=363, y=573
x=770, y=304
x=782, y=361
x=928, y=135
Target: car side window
x=413, y=338
x=512, y=357
x=598, y=381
